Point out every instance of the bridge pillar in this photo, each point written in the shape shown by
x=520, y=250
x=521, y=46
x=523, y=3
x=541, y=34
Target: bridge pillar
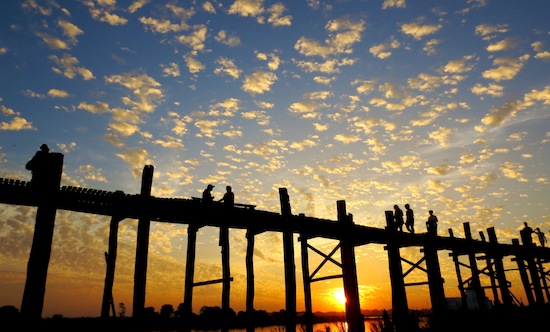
x=475, y=282
x=400, y=307
x=529, y=257
x=46, y=189
x=435, y=281
x=250, y=243
x=499, y=269
x=290, y=267
x=354, y=318
x=523, y=273
x=110, y=259
x=307, y=280
x=142, y=245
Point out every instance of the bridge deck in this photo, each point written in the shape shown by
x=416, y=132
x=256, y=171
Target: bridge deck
x=243, y=216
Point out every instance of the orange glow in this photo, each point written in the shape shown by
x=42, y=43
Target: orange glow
x=340, y=297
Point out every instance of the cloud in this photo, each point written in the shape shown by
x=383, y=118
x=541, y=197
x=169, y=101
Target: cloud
x=492, y=89
x=67, y=66
x=506, y=68
x=276, y=17
x=393, y=4
x=419, y=30
x=383, y=51
x=146, y=90
x=231, y=41
x=343, y=34
x=502, y=45
x=53, y=42
x=56, y=93
x=17, y=124
x=195, y=40
x=104, y=12
x=488, y=32
x=259, y=82
x=70, y=30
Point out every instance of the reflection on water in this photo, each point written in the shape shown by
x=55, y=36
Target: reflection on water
x=321, y=327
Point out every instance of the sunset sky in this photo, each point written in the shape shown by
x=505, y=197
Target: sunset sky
x=444, y=105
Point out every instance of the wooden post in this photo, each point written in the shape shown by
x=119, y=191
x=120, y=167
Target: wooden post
x=142, y=245
x=250, y=279
x=523, y=273
x=110, y=258
x=46, y=190
x=354, y=318
x=290, y=268
x=226, y=273
x=489, y=260
x=400, y=307
x=307, y=281
x=435, y=281
x=190, y=269
x=458, y=274
x=475, y=283
x=499, y=270
x=528, y=249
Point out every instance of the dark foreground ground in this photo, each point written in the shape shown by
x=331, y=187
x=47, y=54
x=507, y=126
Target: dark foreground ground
x=496, y=320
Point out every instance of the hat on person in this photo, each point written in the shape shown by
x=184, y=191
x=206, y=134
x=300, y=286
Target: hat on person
x=44, y=147
x=210, y=186
x=431, y=211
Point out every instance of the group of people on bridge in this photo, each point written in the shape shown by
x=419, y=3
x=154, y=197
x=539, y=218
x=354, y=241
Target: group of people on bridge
x=228, y=198
x=407, y=219
x=526, y=234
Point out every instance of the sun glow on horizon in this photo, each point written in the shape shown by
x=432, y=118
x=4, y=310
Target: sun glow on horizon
x=340, y=297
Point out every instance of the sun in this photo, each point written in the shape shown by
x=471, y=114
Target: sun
x=340, y=296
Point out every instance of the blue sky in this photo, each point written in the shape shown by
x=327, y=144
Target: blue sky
x=440, y=104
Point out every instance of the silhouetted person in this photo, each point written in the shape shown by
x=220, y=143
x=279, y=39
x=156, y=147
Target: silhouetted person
x=38, y=166
x=526, y=234
x=228, y=198
x=409, y=221
x=432, y=223
x=398, y=218
x=207, y=194
x=542, y=237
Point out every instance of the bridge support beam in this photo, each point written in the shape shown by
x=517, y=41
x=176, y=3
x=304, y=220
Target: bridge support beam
x=290, y=267
x=226, y=273
x=475, y=282
x=400, y=307
x=46, y=188
x=354, y=318
x=110, y=259
x=250, y=243
x=142, y=247
x=499, y=270
x=435, y=281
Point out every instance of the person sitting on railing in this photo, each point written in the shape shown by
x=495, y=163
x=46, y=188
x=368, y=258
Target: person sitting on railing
x=38, y=165
x=207, y=194
x=228, y=198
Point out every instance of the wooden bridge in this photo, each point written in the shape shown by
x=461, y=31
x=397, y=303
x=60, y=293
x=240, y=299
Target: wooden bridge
x=48, y=197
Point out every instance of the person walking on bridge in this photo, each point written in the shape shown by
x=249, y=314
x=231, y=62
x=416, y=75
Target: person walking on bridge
x=409, y=221
x=398, y=218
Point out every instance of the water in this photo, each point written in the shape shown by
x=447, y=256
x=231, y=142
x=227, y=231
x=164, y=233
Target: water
x=320, y=327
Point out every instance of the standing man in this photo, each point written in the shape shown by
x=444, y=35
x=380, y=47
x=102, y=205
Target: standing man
x=228, y=198
x=432, y=223
x=526, y=234
x=409, y=222
x=207, y=195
